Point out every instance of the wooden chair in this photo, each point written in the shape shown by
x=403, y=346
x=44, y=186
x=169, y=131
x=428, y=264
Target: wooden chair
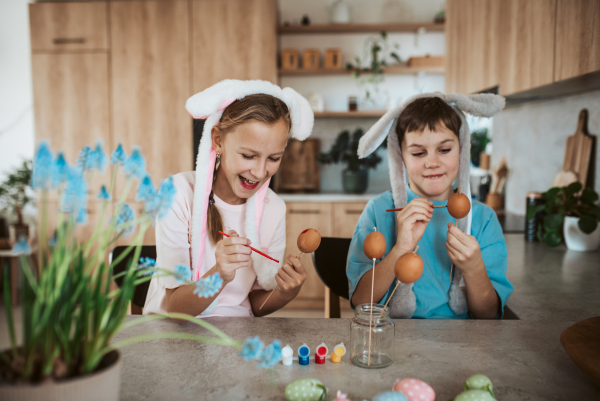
x=330, y=263
x=140, y=292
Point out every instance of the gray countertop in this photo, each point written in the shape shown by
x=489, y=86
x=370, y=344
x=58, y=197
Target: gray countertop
x=554, y=288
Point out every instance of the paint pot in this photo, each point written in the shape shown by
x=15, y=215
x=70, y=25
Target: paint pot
x=287, y=353
x=303, y=354
x=321, y=354
x=338, y=352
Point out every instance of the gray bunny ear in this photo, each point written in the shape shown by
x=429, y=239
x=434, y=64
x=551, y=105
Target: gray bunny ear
x=482, y=105
x=377, y=133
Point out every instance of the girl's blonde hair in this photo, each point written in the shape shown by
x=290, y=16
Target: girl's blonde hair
x=260, y=107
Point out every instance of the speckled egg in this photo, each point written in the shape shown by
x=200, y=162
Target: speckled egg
x=305, y=390
x=480, y=382
x=374, y=245
x=474, y=395
x=459, y=205
x=309, y=240
x=408, y=268
x=390, y=396
x=415, y=390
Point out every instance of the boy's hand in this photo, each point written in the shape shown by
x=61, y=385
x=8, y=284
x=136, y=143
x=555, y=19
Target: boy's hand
x=411, y=222
x=464, y=251
x=232, y=253
x=290, y=277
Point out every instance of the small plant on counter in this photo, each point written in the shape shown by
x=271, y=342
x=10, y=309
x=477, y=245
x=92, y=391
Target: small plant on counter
x=15, y=192
x=566, y=201
x=345, y=150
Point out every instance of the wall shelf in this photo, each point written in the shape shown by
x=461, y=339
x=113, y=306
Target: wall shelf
x=389, y=70
x=359, y=28
x=350, y=114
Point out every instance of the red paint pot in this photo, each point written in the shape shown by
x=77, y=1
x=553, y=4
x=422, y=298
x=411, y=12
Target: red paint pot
x=321, y=354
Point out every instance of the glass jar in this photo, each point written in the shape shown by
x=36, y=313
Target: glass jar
x=379, y=352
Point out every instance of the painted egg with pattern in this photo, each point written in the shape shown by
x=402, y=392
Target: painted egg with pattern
x=480, y=382
x=390, y=396
x=415, y=390
x=305, y=390
x=474, y=395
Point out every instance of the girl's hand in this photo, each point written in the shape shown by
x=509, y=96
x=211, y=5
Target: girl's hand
x=411, y=222
x=232, y=253
x=290, y=277
x=464, y=251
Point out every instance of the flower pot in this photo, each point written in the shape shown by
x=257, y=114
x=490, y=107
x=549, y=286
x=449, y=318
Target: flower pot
x=576, y=239
x=101, y=385
x=355, y=182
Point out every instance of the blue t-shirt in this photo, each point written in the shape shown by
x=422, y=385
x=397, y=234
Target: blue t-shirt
x=432, y=288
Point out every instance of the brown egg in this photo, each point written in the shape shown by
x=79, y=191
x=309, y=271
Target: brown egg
x=408, y=268
x=309, y=240
x=459, y=205
x=374, y=245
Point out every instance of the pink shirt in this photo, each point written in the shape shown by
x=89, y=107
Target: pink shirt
x=174, y=236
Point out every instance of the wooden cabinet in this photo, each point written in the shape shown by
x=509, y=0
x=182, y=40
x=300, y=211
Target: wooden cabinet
x=68, y=26
x=151, y=82
x=233, y=39
x=577, y=38
x=83, y=232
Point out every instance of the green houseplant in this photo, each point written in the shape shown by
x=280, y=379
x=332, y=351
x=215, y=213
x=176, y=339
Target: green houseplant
x=355, y=177
x=70, y=313
x=15, y=194
x=561, y=208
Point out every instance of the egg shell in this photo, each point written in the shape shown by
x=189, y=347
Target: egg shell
x=474, y=395
x=390, y=396
x=459, y=205
x=479, y=382
x=305, y=390
x=374, y=245
x=415, y=390
x=309, y=240
x=408, y=268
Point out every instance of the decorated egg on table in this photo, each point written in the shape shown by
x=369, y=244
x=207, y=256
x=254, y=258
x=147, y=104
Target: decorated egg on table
x=305, y=390
x=390, y=396
x=474, y=395
x=459, y=205
x=408, y=268
x=309, y=240
x=341, y=397
x=480, y=382
x=375, y=245
x=415, y=390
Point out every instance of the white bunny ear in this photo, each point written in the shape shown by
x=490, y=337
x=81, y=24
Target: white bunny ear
x=482, y=105
x=377, y=133
x=301, y=113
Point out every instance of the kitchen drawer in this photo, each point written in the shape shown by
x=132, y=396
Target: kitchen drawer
x=345, y=217
x=68, y=26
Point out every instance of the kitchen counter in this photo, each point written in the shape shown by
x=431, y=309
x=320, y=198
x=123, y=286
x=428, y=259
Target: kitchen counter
x=554, y=288
x=326, y=197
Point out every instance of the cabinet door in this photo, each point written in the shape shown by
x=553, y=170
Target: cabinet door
x=233, y=39
x=83, y=232
x=301, y=216
x=151, y=83
x=68, y=26
x=345, y=218
x=577, y=38
x=527, y=44
x=70, y=101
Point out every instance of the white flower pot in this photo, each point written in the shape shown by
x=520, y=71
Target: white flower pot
x=577, y=240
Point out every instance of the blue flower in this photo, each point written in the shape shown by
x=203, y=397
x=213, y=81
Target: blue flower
x=60, y=170
x=271, y=355
x=82, y=217
x=209, y=286
x=126, y=216
x=118, y=156
x=166, y=195
x=74, y=198
x=21, y=247
x=147, y=262
x=182, y=273
x=135, y=166
x=104, y=195
x=146, y=190
x=252, y=348
x=97, y=158
x=83, y=159
x=41, y=177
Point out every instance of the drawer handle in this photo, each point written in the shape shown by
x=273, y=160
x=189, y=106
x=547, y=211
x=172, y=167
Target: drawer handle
x=68, y=41
x=354, y=211
x=305, y=211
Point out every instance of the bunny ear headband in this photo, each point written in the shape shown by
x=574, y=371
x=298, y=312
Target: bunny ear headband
x=209, y=104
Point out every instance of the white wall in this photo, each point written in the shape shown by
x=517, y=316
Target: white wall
x=16, y=99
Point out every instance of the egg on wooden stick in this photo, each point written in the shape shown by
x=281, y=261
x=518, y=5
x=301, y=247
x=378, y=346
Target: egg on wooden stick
x=375, y=245
x=309, y=240
x=408, y=267
x=459, y=205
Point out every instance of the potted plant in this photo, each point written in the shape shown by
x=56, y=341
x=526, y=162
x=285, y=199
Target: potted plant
x=70, y=313
x=355, y=177
x=572, y=213
x=15, y=194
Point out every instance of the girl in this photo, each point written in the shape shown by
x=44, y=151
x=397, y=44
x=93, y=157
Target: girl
x=429, y=139
x=247, y=127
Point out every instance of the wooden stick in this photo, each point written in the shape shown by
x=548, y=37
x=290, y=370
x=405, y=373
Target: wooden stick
x=452, y=264
x=371, y=316
x=263, y=304
x=254, y=249
x=400, y=208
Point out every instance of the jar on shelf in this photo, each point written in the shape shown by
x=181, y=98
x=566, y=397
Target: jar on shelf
x=378, y=351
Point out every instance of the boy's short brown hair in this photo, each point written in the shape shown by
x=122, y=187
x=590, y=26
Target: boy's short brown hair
x=427, y=112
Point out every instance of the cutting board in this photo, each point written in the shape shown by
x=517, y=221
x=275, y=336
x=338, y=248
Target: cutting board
x=582, y=343
x=579, y=150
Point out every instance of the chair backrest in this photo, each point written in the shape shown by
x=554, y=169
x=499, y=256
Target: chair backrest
x=141, y=290
x=330, y=262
